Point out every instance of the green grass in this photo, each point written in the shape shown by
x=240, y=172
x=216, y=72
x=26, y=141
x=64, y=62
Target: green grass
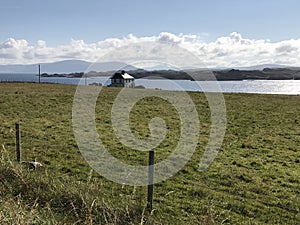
x=255, y=178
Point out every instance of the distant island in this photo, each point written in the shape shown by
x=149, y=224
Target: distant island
x=74, y=68
x=199, y=75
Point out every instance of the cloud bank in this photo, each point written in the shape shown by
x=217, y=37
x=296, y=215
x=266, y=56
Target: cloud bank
x=229, y=51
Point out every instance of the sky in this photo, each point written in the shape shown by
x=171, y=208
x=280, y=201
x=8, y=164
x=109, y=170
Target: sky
x=221, y=32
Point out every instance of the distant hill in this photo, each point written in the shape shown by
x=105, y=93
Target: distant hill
x=227, y=74
x=265, y=74
x=263, y=66
x=75, y=68
x=66, y=66
x=18, y=68
x=201, y=75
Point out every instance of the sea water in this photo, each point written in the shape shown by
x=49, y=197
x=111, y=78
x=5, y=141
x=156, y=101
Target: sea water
x=288, y=87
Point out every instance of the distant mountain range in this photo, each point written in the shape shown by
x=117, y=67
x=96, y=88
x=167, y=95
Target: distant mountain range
x=67, y=66
x=75, y=68
x=263, y=66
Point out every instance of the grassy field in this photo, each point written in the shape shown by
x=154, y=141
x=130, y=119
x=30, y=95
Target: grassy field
x=255, y=178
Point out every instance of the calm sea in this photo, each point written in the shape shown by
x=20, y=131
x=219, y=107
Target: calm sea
x=288, y=87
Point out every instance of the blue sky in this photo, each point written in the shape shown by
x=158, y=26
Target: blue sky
x=54, y=23
x=92, y=20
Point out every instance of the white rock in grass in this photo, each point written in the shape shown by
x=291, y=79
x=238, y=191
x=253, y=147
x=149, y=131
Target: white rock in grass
x=33, y=165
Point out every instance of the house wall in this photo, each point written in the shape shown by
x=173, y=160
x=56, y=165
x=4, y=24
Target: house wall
x=129, y=83
x=123, y=83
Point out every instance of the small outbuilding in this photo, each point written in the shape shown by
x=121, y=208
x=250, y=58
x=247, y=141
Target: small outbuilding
x=122, y=79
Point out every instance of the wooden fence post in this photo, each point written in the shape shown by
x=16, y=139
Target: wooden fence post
x=39, y=73
x=150, y=180
x=18, y=142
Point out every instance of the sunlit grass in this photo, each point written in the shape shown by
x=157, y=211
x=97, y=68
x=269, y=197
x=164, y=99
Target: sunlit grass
x=254, y=179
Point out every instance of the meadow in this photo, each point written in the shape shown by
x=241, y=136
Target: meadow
x=255, y=178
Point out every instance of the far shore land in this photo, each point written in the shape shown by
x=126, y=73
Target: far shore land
x=199, y=75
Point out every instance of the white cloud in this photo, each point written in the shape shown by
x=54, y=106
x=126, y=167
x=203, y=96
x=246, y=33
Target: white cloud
x=229, y=51
x=41, y=43
x=12, y=43
x=170, y=38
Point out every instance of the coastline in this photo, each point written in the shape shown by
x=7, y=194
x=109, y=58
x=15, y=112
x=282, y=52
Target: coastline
x=196, y=75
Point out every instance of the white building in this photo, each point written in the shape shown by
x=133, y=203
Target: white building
x=122, y=79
